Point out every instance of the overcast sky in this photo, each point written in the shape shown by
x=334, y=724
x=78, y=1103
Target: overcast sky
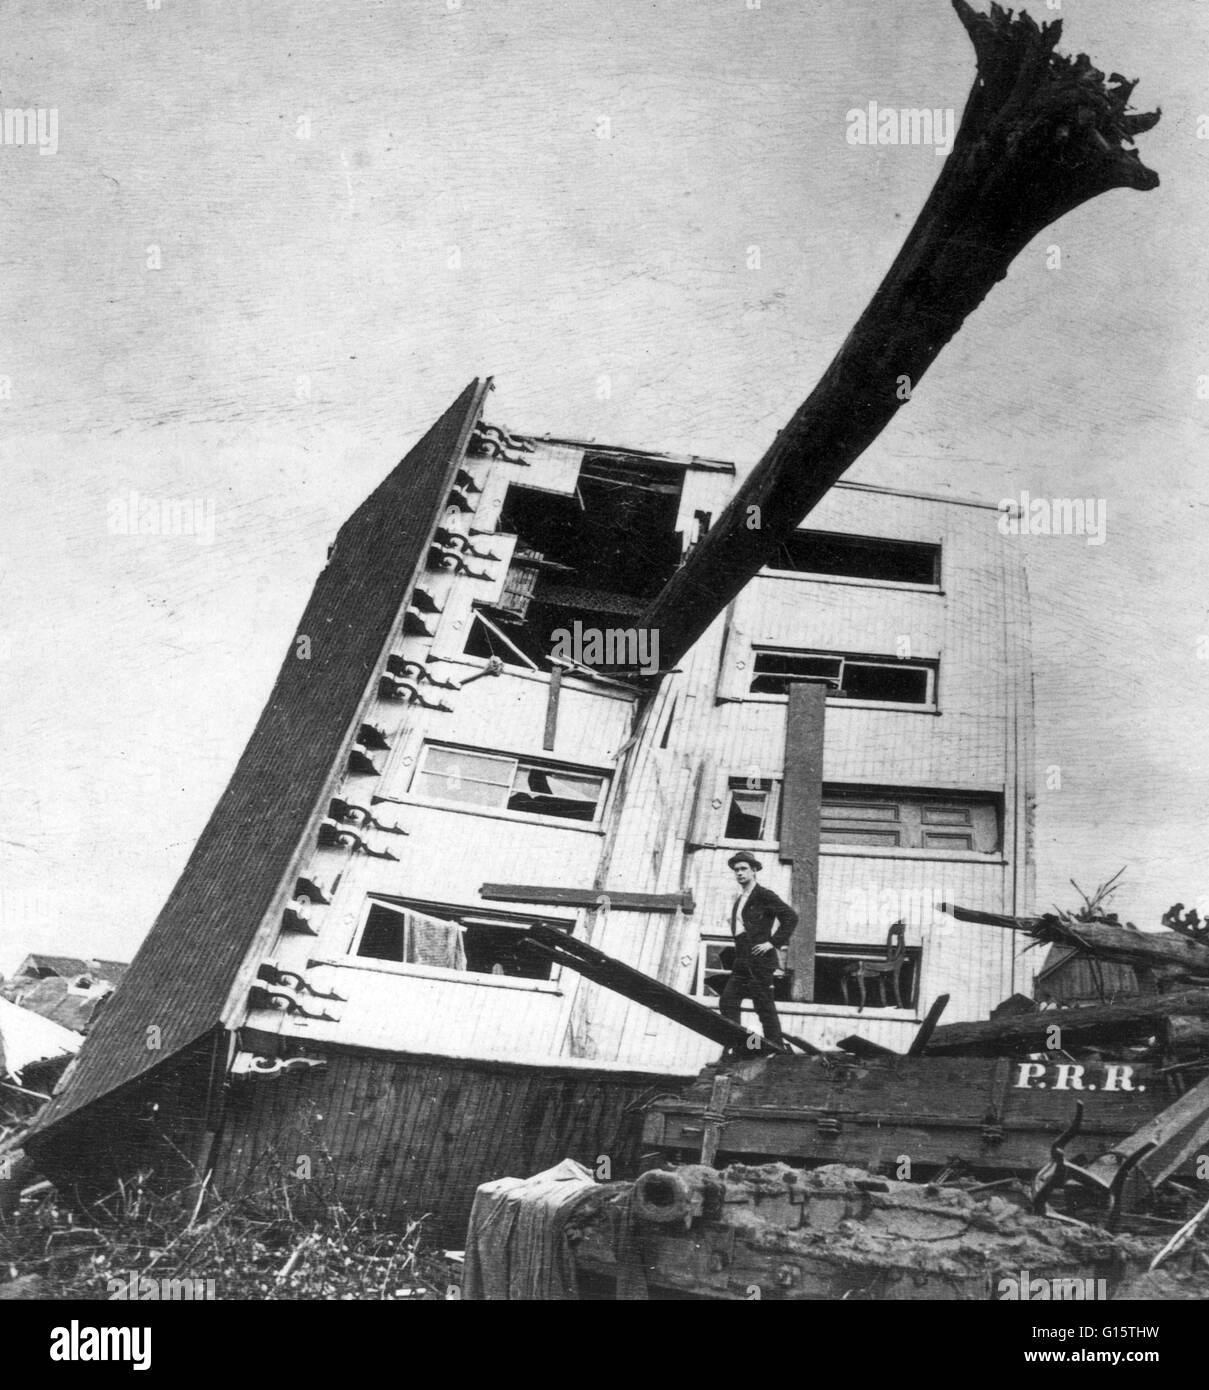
x=301, y=174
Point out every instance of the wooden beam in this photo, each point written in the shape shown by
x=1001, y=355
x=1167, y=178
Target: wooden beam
x=920, y=1043
x=801, y=808
x=565, y=950
x=587, y=897
x=1041, y=133
x=1123, y=1022
x=862, y=1047
x=1178, y=1134
x=988, y=919
x=556, y=685
x=714, y=1118
x=1113, y=941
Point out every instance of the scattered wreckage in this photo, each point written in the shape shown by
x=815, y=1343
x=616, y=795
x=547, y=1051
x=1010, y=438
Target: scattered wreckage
x=1061, y=1142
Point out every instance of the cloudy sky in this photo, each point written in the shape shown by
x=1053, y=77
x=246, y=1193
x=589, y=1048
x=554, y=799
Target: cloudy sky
x=276, y=239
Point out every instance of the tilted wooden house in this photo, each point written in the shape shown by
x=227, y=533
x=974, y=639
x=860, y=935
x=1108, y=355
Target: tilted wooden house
x=469, y=736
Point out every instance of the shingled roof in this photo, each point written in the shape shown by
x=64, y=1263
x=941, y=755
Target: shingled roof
x=183, y=975
x=39, y=964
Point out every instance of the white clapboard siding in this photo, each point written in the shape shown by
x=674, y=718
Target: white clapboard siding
x=474, y=1016
x=662, y=827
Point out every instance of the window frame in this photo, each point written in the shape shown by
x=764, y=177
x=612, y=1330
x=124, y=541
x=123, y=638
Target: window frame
x=704, y=942
x=462, y=915
x=930, y=665
x=917, y=802
x=854, y=951
x=875, y=794
x=772, y=815
x=832, y=950
x=422, y=797
x=933, y=586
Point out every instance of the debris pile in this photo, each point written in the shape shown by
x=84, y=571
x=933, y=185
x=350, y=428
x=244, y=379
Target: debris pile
x=1165, y=1010
x=247, y=1244
x=840, y=1232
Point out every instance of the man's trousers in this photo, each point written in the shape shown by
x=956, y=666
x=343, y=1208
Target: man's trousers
x=752, y=978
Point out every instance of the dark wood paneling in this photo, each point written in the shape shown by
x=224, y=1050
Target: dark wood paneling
x=800, y=810
x=929, y=1109
x=405, y=1136
x=157, y=1127
x=551, y=731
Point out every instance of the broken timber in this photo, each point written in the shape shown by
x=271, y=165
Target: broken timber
x=564, y=950
x=1169, y=955
x=1127, y=1021
x=1041, y=134
x=1175, y=1137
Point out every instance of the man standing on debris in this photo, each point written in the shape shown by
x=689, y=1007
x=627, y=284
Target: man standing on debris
x=755, y=911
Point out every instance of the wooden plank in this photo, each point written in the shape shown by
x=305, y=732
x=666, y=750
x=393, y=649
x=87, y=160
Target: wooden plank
x=714, y=1118
x=862, y=1047
x=801, y=804
x=1180, y=1132
x=393, y=1189
x=920, y=1043
x=987, y=919
x=556, y=685
x=587, y=897
x=632, y=984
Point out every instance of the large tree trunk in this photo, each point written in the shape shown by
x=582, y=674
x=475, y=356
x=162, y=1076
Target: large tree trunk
x=1041, y=134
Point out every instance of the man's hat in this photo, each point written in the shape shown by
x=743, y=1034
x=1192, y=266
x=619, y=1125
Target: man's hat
x=743, y=858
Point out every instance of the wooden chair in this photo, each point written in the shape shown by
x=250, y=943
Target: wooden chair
x=879, y=970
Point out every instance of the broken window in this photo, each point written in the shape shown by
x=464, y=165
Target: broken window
x=717, y=956
x=859, y=557
x=506, y=783
x=470, y=940
x=715, y=961
x=597, y=557
x=883, y=679
x=405, y=937
x=752, y=809
x=831, y=960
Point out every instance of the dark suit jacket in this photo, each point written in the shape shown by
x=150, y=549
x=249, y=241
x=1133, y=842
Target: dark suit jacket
x=760, y=911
